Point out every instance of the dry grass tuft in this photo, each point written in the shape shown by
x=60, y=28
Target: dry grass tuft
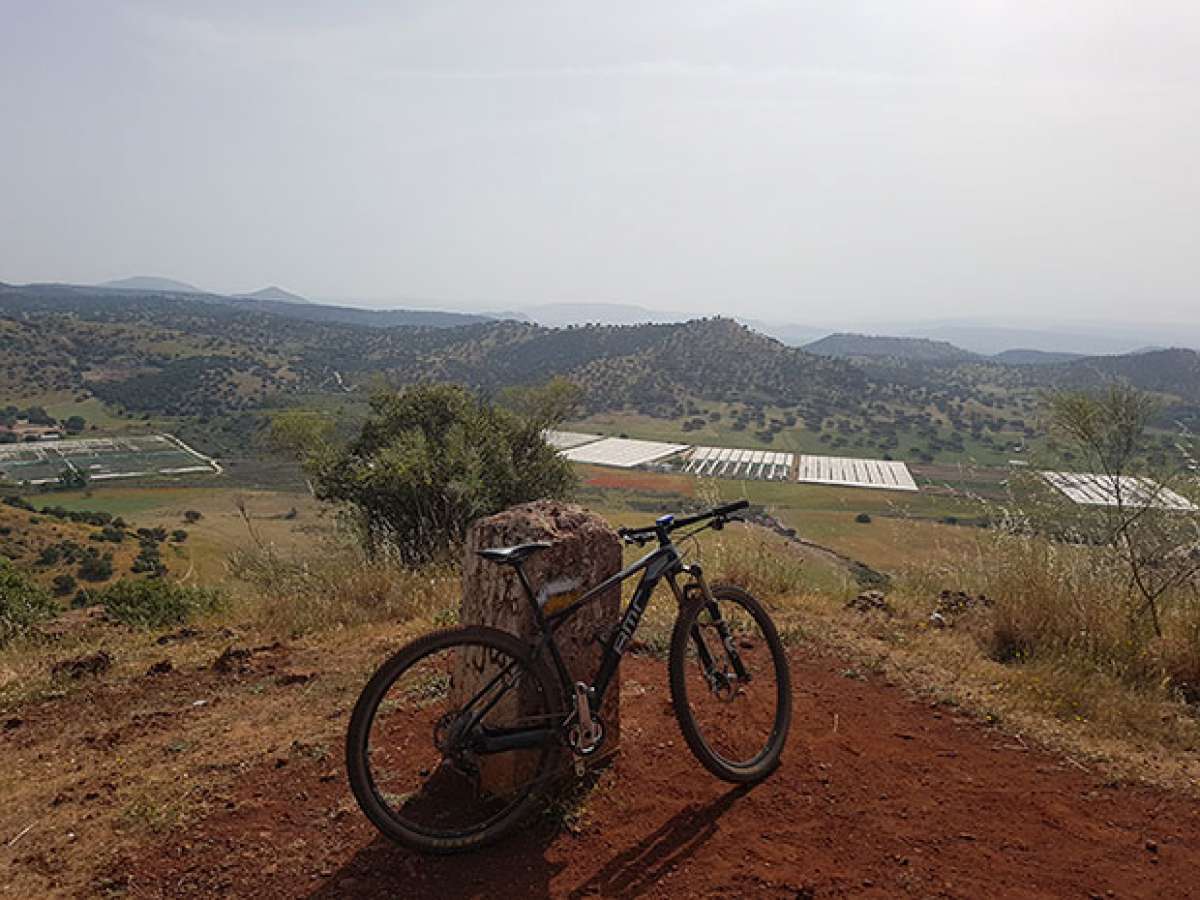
x=340, y=587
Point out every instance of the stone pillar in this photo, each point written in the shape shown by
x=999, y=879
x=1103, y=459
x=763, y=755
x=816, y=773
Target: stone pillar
x=585, y=549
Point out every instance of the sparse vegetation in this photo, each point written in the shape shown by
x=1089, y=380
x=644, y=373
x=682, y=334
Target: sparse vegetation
x=23, y=603
x=157, y=602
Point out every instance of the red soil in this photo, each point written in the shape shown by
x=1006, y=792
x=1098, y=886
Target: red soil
x=631, y=480
x=879, y=796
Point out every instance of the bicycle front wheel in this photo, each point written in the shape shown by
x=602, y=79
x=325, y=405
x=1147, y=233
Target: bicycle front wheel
x=452, y=739
x=730, y=684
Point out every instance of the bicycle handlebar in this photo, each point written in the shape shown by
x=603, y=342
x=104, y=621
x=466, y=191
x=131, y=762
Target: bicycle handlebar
x=719, y=512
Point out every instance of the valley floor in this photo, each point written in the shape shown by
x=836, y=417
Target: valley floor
x=226, y=780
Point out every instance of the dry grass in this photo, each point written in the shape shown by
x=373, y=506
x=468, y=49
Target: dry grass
x=339, y=587
x=1068, y=608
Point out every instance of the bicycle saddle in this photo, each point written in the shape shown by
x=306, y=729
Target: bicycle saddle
x=512, y=556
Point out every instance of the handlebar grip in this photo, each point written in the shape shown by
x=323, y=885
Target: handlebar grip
x=732, y=507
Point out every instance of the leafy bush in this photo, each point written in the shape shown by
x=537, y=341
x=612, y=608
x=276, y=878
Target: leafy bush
x=430, y=460
x=64, y=584
x=156, y=603
x=95, y=567
x=863, y=518
x=22, y=603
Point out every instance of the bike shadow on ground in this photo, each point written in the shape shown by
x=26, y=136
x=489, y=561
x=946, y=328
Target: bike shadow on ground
x=515, y=867
x=518, y=867
x=643, y=865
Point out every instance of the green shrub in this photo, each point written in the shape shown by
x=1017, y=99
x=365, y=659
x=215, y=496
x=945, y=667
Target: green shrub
x=155, y=603
x=64, y=584
x=430, y=460
x=95, y=567
x=863, y=519
x=22, y=602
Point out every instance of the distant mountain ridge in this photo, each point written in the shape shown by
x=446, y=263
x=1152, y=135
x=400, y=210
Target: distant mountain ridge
x=275, y=293
x=268, y=300
x=231, y=355
x=1173, y=371
x=150, y=283
x=846, y=344
x=1027, y=357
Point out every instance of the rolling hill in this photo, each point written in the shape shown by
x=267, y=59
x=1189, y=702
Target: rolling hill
x=273, y=293
x=1025, y=357
x=200, y=356
x=868, y=346
x=151, y=283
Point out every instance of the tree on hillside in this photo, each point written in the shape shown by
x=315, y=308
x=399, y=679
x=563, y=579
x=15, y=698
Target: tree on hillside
x=431, y=459
x=1158, y=544
x=546, y=405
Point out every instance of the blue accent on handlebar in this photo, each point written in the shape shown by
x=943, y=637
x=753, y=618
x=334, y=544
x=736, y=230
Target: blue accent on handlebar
x=664, y=521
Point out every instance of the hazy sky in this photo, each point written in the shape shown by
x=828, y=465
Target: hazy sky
x=796, y=160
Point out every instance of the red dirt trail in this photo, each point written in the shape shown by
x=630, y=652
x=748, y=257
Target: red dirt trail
x=900, y=800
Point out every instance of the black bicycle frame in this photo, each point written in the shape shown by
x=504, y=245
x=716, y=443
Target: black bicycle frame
x=662, y=562
x=654, y=566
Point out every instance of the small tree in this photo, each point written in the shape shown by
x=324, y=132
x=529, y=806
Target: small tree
x=95, y=567
x=430, y=460
x=1158, y=544
x=72, y=479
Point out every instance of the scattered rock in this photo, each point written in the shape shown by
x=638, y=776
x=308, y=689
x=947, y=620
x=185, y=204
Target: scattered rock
x=162, y=667
x=1152, y=846
x=870, y=600
x=234, y=660
x=292, y=677
x=242, y=660
x=181, y=635
x=91, y=664
x=13, y=723
x=952, y=604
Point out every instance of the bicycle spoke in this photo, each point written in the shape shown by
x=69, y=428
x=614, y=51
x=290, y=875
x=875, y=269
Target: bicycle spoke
x=420, y=754
x=731, y=683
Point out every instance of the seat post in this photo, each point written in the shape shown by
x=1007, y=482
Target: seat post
x=520, y=568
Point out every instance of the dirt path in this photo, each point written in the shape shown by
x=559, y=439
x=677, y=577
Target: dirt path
x=879, y=796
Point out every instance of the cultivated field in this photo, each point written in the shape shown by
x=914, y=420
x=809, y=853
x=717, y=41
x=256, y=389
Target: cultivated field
x=102, y=459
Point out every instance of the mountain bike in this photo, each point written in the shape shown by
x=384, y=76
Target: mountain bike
x=455, y=737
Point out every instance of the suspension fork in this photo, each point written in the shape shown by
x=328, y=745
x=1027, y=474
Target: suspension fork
x=714, y=612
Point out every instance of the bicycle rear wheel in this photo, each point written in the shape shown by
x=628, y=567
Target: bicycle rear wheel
x=730, y=685
x=452, y=739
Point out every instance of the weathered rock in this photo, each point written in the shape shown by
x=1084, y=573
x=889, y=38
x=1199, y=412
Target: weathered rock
x=246, y=660
x=584, y=549
x=952, y=604
x=293, y=676
x=92, y=664
x=870, y=600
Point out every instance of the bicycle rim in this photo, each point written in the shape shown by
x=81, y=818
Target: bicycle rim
x=424, y=766
x=733, y=688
